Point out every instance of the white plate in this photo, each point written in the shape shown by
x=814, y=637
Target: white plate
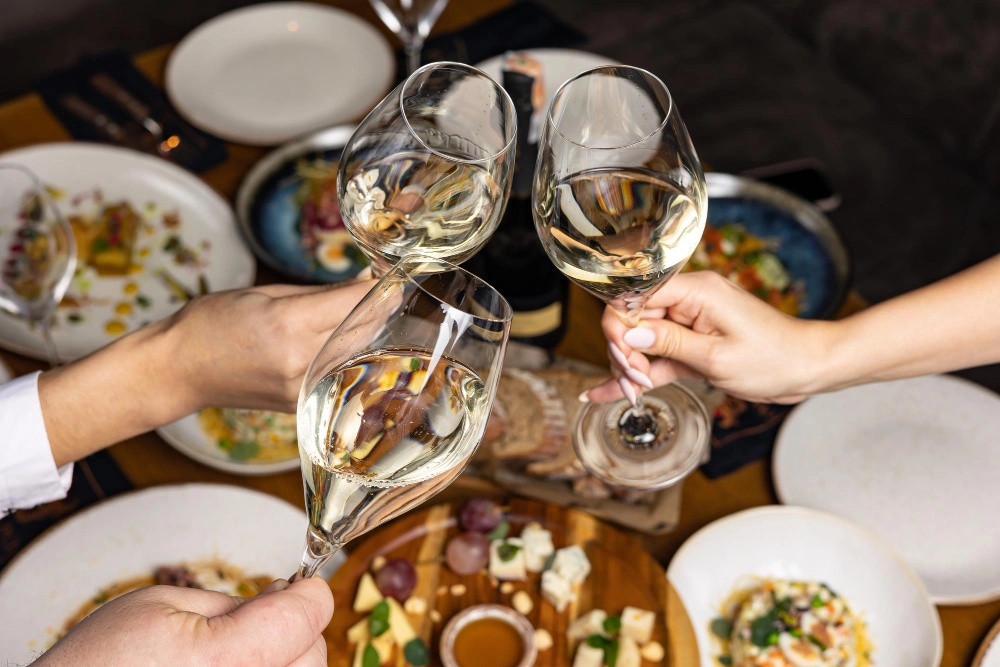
x=131, y=535
x=558, y=65
x=803, y=544
x=187, y=437
x=989, y=651
x=917, y=462
x=267, y=73
x=81, y=169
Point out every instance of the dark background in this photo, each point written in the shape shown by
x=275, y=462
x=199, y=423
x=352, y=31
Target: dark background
x=900, y=98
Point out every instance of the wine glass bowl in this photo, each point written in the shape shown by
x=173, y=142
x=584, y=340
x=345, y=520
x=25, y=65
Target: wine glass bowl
x=619, y=202
x=429, y=169
x=396, y=402
x=37, y=251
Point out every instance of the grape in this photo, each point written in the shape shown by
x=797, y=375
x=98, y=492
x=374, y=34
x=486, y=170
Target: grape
x=481, y=515
x=396, y=579
x=468, y=553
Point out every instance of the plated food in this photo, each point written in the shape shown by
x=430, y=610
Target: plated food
x=290, y=212
x=149, y=237
x=260, y=436
x=802, y=588
x=783, y=623
x=212, y=575
x=126, y=538
x=555, y=568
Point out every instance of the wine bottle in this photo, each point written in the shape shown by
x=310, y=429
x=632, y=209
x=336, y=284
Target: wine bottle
x=513, y=261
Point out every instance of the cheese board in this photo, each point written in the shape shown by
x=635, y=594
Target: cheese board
x=621, y=575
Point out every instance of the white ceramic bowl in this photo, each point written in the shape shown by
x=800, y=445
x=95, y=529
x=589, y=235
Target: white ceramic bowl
x=803, y=544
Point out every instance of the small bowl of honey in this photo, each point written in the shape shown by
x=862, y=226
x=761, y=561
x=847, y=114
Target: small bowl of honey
x=488, y=635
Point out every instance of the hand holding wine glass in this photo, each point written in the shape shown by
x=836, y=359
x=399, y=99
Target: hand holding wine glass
x=428, y=170
x=619, y=202
x=395, y=404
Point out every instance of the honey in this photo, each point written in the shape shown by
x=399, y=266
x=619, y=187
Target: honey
x=488, y=642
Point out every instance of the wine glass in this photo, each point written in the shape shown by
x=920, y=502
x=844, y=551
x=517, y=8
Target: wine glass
x=429, y=169
x=395, y=404
x=411, y=21
x=37, y=252
x=619, y=202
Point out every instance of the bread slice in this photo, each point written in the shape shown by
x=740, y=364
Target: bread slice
x=569, y=385
x=537, y=427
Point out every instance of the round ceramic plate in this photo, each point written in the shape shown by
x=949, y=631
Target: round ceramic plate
x=558, y=66
x=189, y=438
x=267, y=73
x=988, y=654
x=130, y=535
x=188, y=238
x=916, y=462
x=802, y=544
x=289, y=211
x=808, y=245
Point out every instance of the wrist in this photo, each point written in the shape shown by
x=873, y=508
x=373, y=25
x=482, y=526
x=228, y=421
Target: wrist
x=832, y=357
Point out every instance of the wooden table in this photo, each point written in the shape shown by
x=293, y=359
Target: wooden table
x=148, y=461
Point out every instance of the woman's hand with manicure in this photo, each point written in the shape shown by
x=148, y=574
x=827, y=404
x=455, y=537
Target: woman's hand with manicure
x=702, y=326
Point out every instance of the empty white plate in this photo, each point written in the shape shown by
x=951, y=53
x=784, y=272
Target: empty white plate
x=267, y=73
x=129, y=536
x=806, y=545
x=917, y=462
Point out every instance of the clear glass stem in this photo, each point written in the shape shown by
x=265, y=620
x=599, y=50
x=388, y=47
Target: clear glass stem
x=317, y=551
x=412, y=48
x=51, y=353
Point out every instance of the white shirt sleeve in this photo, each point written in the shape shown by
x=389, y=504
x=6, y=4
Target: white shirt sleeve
x=28, y=474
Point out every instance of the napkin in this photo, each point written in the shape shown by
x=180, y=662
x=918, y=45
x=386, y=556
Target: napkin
x=742, y=432
x=94, y=478
x=71, y=96
x=524, y=25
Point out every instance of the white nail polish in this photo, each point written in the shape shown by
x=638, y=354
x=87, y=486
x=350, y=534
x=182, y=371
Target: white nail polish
x=618, y=356
x=628, y=390
x=639, y=378
x=583, y=398
x=640, y=338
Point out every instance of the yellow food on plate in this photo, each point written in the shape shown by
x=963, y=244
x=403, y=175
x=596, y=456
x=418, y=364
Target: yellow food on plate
x=252, y=436
x=779, y=623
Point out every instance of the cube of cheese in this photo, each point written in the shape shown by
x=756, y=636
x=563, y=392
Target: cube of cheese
x=591, y=623
x=399, y=624
x=359, y=633
x=368, y=594
x=571, y=564
x=588, y=656
x=537, y=546
x=628, y=653
x=557, y=590
x=512, y=569
x=638, y=624
x=383, y=644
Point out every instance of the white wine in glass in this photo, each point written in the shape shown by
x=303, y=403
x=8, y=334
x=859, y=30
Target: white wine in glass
x=619, y=201
x=396, y=403
x=428, y=171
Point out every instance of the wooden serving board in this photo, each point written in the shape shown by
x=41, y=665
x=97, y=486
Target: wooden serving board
x=623, y=574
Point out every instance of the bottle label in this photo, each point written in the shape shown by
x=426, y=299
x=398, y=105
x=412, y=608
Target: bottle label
x=531, y=323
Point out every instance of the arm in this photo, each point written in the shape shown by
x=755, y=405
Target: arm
x=246, y=349
x=702, y=326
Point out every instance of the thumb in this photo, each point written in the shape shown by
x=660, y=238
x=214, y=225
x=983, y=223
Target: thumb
x=665, y=338
x=276, y=628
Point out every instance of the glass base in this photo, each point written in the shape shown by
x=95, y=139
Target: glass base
x=643, y=450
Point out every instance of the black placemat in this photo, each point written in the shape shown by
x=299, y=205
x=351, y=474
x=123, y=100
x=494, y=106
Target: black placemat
x=206, y=150
x=94, y=478
x=524, y=25
x=742, y=432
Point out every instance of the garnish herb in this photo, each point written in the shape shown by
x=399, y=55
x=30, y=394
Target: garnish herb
x=142, y=301
x=244, y=450
x=414, y=364
x=613, y=624
x=416, y=652
x=722, y=628
x=763, y=627
x=816, y=601
x=500, y=532
x=725, y=660
x=507, y=551
x=606, y=644
x=370, y=657
x=816, y=641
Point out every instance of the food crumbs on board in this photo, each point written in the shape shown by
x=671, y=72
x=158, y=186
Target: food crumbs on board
x=506, y=588
x=543, y=640
x=415, y=605
x=653, y=651
x=115, y=327
x=442, y=590
x=377, y=563
x=458, y=589
x=435, y=616
x=123, y=308
x=494, y=582
x=522, y=603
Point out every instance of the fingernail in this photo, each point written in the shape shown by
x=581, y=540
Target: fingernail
x=583, y=398
x=640, y=338
x=628, y=390
x=618, y=356
x=639, y=378
x=275, y=586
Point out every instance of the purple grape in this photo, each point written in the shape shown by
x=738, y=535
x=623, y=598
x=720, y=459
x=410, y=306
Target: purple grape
x=468, y=553
x=481, y=515
x=396, y=579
